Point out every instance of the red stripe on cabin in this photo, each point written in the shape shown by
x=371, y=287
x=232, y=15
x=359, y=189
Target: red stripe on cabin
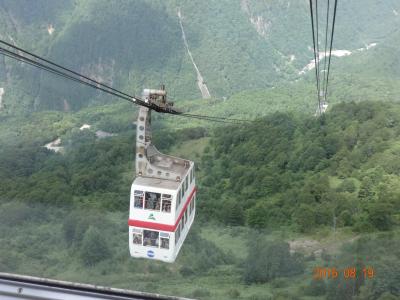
x=160, y=226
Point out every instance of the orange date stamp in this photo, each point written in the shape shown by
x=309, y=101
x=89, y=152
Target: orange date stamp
x=347, y=273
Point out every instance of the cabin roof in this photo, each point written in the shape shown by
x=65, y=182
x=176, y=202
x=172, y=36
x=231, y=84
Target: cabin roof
x=168, y=163
x=157, y=183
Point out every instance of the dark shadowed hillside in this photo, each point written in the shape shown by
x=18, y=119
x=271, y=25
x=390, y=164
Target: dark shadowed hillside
x=236, y=45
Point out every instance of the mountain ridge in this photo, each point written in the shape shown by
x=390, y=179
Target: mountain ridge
x=138, y=44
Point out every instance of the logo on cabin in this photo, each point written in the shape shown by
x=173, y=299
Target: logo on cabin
x=150, y=253
x=151, y=217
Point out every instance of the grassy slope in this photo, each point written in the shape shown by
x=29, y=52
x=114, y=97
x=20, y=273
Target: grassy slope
x=38, y=248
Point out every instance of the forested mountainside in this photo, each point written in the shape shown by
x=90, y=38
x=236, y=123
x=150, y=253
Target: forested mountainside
x=340, y=170
x=262, y=188
x=283, y=170
x=236, y=46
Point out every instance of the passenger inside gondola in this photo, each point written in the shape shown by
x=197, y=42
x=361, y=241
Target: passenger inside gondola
x=139, y=197
x=153, y=201
x=150, y=238
x=137, y=238
x=164, y=243
x=166, y=206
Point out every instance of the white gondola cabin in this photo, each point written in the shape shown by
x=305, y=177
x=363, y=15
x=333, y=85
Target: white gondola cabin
x=163, y=195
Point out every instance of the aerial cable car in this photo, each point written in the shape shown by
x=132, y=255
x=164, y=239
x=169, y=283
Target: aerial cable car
x=163, y=193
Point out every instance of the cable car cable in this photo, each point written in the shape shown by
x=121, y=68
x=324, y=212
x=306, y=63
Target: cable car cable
x=330, y=50
x=322, y=88
x=326, y=47
x=39, y=65
x=26, y=60
x=219, y=118
x=64, y=68
x=315, y=55
x=208, y=119
x=117, y=93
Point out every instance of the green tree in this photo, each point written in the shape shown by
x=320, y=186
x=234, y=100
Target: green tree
x=94, y=247
x=316, y=288
x=269, y=260
x=380, y=215
x=366, y=191
x=347, y=186
x=304, y=217
x=232, y=212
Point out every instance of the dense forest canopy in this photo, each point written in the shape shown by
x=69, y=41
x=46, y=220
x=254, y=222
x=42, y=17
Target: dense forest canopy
x=290, y=172
x=284, y=169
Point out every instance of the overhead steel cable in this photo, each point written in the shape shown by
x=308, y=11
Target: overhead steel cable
x=54, y=71
x=39, y=65
x=64, y=68
x=326, y=47
x=330, y=49
x=315, y=54
x=35, y=64
x=322, y=83
x=211, y=117
x=98, y=85
x=208, y=119
x=317, y=51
